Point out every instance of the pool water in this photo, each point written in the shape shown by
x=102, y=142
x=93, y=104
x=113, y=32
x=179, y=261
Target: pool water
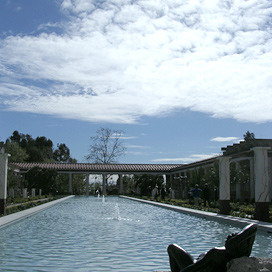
x=87, y=234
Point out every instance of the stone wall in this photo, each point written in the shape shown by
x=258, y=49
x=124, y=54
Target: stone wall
x=247, y=264
x=251, y=264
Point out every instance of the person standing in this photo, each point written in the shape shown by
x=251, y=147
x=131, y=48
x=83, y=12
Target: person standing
x=206, y=195
x=196, y=194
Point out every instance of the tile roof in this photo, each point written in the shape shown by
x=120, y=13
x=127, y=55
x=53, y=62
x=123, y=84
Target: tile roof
x=97, y=168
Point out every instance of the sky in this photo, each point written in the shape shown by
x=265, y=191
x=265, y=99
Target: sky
x=181, y=79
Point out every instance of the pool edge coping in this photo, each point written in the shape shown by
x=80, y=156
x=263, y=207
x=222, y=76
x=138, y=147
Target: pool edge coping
x=14, y=217
x=263, y=226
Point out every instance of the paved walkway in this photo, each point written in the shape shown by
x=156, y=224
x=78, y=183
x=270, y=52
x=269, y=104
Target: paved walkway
x=263, y=226
x=11, y=218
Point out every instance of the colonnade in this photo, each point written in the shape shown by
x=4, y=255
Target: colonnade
x=262, y=181
x=104, y=183
x=3, y=179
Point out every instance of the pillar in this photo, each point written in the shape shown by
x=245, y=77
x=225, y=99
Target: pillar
x=40, y=192
x=3, y=180
x=186, y=187
x=33, y=192
x=11, y=193
x=104, y=185
x=172, y=191
x=70, y=183
x=252, y=180
x=262, y=186
x=224, y=184
x=121, y=184
x=238, y=183
x=270, y=175
x=87, y=184
x=25, y=194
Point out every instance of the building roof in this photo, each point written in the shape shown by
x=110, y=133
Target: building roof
x=245, y=146
x=97, y=168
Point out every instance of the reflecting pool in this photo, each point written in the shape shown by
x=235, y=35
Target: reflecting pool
x=87, y=234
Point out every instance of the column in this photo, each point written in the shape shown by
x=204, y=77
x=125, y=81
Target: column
x=262, y=186
x=252, y=181
x=33, y=192
x=104, y=185
x=70, y=183
x=25, y=193
x=238, y=183
x=87, y=184
x=186, y=189
x=224, y=184
x=11, y=193
x=172, y=191
x=3, y=180
x=121, y=184
x=270, y=175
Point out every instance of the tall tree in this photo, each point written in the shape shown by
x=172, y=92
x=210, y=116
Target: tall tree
x=18, y=154
x=43, y=179
x=62, y=154
x=106, y=147
x=38, y=150
x=23, y=147
x=249, y=136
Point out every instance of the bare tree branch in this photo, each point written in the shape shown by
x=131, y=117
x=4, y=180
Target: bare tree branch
x=106, y=147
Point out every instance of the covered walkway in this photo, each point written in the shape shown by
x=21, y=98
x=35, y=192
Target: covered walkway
x=99, y=169
x=256, y=151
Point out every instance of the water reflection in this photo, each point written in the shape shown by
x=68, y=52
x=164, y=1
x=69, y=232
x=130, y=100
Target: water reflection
x=82, y=234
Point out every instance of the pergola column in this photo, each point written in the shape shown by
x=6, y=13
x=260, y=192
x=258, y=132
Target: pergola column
x=252, y=180
x=224, y=184
x=87, y=184
x=262, y=186
x=121, y=184
x=70, y=183
x=3, y=180
x=104, y=184
x=172, y=191
x=237, y=184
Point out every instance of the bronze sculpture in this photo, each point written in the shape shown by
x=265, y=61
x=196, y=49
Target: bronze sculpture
x=215, y=260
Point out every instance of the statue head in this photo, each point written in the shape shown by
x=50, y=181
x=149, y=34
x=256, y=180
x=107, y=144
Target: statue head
x=240, y=244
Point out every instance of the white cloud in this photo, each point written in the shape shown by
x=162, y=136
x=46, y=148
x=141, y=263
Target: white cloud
x=225, y=139
x=137, y=146
x=127, y=137
x=117, y=61
x=189, y=159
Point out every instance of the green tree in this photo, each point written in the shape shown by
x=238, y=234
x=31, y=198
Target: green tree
x=24, y=148
x=38, y=150
x=147, y=183
x=249, y=136
x=62, y=154
x=42, y=179
x=18, y=154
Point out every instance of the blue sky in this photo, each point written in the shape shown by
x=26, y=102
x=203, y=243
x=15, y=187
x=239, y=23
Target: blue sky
x=181, y=78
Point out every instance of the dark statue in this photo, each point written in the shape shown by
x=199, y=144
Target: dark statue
x=216, y=259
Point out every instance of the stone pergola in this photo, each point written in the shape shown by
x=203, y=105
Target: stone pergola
x=88, y=169
x=259, y=154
